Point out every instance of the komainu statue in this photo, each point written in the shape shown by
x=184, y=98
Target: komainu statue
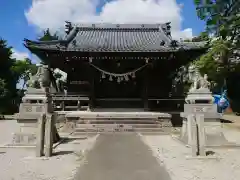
x=41, y=79
x=199, y=82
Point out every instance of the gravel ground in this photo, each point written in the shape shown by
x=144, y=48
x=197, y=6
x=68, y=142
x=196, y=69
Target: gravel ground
x=173, y=155
x=18, y=163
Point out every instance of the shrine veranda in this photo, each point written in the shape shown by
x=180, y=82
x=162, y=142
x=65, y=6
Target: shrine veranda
x=119, y=65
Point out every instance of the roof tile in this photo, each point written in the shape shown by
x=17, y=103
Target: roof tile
x=122, y=38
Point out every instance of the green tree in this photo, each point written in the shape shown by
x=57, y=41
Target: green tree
x=202, y=37
x=218, y=14
x=213, y=62
x=222, y=20
x=7, y=76
x=22, y=69
x=3, y=89
x=48, y=36
x=221, y=62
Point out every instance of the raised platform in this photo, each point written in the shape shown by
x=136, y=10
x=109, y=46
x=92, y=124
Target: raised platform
x=117, y=115
x=117, y=121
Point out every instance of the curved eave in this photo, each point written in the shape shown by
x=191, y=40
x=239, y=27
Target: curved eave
x=64, y=49
x=28, y=43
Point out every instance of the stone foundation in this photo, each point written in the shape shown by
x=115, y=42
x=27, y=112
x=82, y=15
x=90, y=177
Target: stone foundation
x=22, y=139
x=214, y=135
x=69, y=127
x=27, y=133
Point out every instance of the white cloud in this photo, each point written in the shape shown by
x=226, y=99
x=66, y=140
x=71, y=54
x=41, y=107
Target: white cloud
x=22, y=55
x=19, y=55
x=52, y=13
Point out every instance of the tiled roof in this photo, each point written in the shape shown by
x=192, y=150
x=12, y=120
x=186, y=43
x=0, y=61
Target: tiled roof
x=114, y=37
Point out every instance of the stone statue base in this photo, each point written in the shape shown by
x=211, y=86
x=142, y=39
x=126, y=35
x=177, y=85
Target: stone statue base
x=200, y=101
x=202, y=94
x=26, y=134
x=214, y=136
x=35, y=103
x=24, y=139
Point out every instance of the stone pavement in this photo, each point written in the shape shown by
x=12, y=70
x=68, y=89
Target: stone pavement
x=121, y=157
x=231, y=117
x=235, y=121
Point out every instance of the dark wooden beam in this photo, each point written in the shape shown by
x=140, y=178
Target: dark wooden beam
x=92, y=87
x=145, y=86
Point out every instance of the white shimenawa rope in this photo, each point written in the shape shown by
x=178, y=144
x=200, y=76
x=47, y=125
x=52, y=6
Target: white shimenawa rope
x=119, y=74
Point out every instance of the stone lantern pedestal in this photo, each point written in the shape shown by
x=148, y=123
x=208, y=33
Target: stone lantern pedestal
x=35, y=103
x=200, y=101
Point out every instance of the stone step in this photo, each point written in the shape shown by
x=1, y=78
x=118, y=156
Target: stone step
x=117, y=115
x=119, y=130
x=87, y=134
x=118, y=125
x=121, y=121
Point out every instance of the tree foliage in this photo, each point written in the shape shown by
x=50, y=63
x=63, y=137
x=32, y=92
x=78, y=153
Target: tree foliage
x=222, y=20
x=48, y=36
x=3, y=89
x=8, y=78
x=202, y=37
x=221, y=16
x=11, y=72
x=213, y=63
x=22, y=69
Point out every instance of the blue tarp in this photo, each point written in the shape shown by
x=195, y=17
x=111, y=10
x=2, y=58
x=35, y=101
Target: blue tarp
x=221, y=101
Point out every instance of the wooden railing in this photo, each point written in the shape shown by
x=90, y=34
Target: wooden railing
x=65, y=102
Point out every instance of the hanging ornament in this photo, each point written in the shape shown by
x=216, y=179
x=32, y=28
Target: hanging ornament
x=118, y=64
x=122, y=78
x=146, y=60
x=126, y=78
x=103, y=76
x=118, y=80
x=133, y=75
x=110, y=78
x=90, y=60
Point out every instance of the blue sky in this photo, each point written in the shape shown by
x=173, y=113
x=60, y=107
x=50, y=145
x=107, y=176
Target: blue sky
x=15, y=26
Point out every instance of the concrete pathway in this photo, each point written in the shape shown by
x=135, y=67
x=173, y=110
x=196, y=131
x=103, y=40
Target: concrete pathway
x=121, y=157
x=232, y=117
x=235, y=121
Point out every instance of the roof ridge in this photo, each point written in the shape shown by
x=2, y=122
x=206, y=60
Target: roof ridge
x=120, y=26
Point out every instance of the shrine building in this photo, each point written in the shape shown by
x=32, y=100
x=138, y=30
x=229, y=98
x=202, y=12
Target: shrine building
x=120, y=65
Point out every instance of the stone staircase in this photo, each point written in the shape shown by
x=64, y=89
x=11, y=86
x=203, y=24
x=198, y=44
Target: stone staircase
x=115, y=122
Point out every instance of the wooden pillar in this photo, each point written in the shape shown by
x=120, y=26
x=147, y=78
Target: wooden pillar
x=145, y=88
x=62, y=106
x=92, y=82
x=78, y=105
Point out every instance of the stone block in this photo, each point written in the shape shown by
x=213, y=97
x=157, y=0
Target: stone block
x=200, y=108
x=49, y=126
x=40, y=136
x=214, y=135
x=192, y=134
x=69, y=126
x=201, y=94
x=201, y=134
x=24, y=139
